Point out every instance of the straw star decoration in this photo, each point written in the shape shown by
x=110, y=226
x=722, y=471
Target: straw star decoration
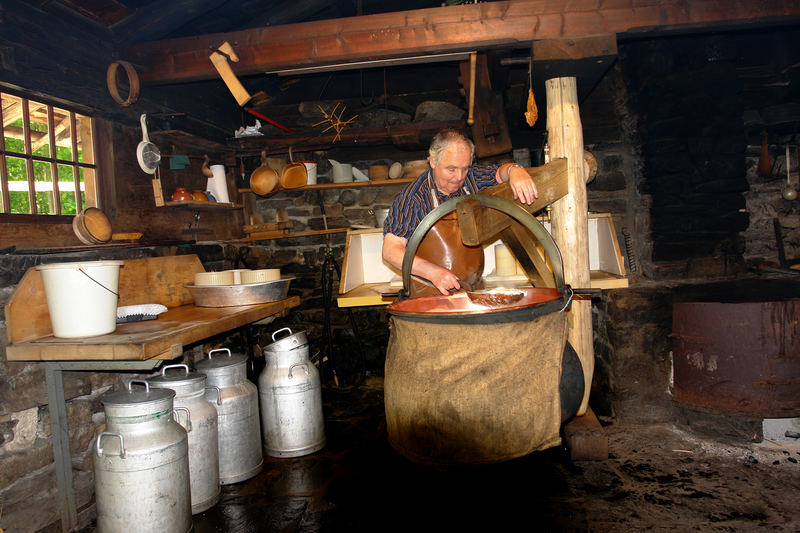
x=336, y=122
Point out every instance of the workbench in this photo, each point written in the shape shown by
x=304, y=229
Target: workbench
x=132, y=347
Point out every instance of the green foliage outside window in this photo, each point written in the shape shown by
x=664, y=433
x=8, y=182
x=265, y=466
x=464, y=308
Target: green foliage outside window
x=41, y=173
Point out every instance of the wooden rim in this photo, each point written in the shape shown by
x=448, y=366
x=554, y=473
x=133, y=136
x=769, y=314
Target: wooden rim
x=133, y=83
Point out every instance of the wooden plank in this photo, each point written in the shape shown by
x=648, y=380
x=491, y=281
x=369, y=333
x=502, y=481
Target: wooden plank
x=551, y=182
x=419, y=133
x=295, y=234
x=569, y=225
x=585, y=438
x=267, y=226
x=458, y=28
x=160, y=338
x=489, y=130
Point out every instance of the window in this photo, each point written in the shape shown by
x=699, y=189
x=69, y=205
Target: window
x=47, y=159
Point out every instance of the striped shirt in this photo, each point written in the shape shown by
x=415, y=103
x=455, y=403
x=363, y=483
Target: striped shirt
x=416, y=199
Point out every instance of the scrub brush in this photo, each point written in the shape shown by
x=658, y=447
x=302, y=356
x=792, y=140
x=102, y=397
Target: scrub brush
x=138, y=313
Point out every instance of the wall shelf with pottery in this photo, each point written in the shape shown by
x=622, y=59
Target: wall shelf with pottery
x=350, y=184
x=209, y=206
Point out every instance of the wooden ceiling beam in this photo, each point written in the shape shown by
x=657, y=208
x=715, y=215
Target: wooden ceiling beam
x=439, y=30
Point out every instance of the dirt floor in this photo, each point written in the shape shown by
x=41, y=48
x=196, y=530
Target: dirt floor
x=657, y=478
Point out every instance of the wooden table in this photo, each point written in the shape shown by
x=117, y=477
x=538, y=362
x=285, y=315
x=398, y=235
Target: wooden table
x=132, y=347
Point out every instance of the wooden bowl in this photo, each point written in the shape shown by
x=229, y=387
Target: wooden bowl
x=414, y=169
x=264, y=181
x=80, y=230
x=379, y=172
x=294, y=175
x=97, y=224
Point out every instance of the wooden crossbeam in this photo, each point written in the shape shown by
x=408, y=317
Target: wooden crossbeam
x=459, y=28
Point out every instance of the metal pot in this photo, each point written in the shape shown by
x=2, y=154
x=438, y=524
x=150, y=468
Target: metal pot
x=141, y=464
x=291, y=398
x=236, y=402
x=189, y=390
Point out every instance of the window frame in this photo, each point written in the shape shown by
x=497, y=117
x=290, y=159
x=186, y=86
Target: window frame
x=96, y=189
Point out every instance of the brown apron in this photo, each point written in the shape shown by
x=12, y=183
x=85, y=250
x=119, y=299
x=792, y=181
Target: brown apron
x=442, y=246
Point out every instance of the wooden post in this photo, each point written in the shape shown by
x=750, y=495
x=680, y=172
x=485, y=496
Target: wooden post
x=569, y=216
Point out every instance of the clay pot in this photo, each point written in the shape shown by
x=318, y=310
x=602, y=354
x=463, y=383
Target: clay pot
x=181, y=193
x=199, y=196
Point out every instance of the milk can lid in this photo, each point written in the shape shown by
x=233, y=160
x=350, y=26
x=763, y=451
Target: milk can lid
x=179, y=376
x=289, y=342
x=225, y=359
x=137, y=396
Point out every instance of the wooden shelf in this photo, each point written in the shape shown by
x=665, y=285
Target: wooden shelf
x=349, y=184
x=204, y=206
x=188, y=138
x=295, y=234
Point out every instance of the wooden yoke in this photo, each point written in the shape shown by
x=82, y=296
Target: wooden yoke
x=480, y=225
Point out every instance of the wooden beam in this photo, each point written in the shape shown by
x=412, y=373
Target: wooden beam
x=459, y=28
x=569, y=224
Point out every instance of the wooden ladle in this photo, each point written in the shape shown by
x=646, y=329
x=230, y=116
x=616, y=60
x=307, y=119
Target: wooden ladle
x=264, y=180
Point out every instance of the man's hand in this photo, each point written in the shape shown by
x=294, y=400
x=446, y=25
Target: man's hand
x=444, y=280
x=394, y=248
x=522, y=185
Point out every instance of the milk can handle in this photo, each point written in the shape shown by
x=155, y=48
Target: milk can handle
x=188, y=426
x=184, y=366
x=219, y=393
x=219, y=350
x=282, y=329
x=297, y=364
x=99, y=450
x=143, y=382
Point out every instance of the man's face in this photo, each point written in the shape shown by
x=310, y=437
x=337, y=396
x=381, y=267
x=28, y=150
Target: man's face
x=451, y=171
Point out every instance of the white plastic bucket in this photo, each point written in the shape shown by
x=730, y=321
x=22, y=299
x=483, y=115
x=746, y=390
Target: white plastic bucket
x=81, y=297
x=311, y=172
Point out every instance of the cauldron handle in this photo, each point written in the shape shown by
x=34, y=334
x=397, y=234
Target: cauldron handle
x=509, y=208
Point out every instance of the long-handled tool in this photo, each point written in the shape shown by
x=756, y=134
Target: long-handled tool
x=219, y=58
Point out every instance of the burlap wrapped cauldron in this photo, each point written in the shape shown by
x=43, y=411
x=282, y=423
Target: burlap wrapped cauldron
x=466, y=393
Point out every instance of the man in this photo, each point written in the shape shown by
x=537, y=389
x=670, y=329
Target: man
x=451, y=175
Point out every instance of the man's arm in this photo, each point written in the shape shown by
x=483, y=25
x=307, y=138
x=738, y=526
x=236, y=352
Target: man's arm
x=394, y=249
x=521, y=183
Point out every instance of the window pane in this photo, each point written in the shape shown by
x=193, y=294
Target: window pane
x=40, y=140
x=12, y=123
x=17, y=185
x=45, y=200
x=85, y=144
x=63, y=134
x=66, y=188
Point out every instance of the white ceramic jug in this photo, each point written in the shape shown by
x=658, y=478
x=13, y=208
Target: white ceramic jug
x=342, y=172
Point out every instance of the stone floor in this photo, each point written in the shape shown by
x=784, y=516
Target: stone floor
x=657, y=478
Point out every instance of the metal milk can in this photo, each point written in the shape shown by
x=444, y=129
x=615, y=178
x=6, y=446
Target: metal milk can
x=291, y=398
x=141, y=464
x=236, y=401
x=189, y=390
